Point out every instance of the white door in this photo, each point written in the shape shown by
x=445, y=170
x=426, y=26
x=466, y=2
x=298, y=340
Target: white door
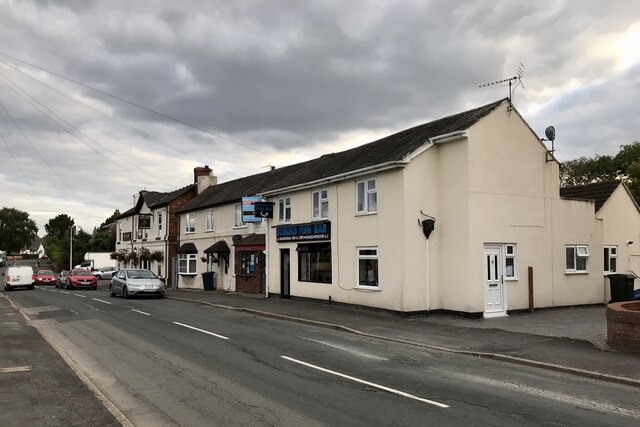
x=494, y=294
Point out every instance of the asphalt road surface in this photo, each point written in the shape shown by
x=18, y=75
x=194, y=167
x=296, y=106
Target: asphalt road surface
x=166, y=362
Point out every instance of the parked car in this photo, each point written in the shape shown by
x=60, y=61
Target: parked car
x=62, y=278
x=45, y=277
x=81, y=279
x=131, y=282
x=105, y=273
x=18, y=277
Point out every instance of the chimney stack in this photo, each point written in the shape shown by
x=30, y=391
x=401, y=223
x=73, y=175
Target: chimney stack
x=203, y=177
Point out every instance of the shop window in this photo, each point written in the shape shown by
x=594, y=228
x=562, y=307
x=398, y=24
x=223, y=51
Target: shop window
x=248, y=263
x=314, y=263
x=284, y=209
x=320, y=203
x=368, y=267
x=577, y=257
x=367, y=196
x=610, y=259
x=187, y=264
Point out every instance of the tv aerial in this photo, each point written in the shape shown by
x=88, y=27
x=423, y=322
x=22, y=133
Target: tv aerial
x=513, y=82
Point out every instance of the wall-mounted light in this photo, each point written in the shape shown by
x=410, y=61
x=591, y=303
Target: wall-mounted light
x=428, y=224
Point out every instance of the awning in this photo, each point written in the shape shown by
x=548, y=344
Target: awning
x=252, y=242
x=218, y=247
x=188, y=248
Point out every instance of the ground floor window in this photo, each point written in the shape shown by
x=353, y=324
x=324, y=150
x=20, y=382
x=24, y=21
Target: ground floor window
x=510, y=262
x=577, y=257
x=368, y=267
x=187, y=263
x=610, y=259
x=314, y=262
x=248, y=262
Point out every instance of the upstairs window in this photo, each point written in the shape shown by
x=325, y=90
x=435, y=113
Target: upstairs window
x=367, y=196
x=610, y=259
x=577, y=257
x=284, y=209
x=190, y=223
x=159, y=221
x=320, y=203
x=209, y=219
x=237, y=215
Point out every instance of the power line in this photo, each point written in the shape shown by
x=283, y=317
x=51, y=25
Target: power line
x=144, y=173
x=109, y=117
x=15, y=160
x=36, y=150
x=183, y=122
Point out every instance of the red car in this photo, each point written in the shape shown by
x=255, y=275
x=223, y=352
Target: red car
x=81, y=279
x=45, y=277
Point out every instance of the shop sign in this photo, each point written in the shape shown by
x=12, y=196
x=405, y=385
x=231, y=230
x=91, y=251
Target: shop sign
x=309, y=231
x=263, y=209
x=144, y=222
x=126, y=236
x=248, y=209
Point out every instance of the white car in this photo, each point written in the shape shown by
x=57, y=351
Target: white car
x=105, y=273
x=19, y=277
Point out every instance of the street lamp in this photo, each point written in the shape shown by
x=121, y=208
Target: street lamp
x=71, y=247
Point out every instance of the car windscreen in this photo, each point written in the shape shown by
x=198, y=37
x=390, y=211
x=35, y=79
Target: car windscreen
x=82, y=273
x=45, y=273
x=141, y=274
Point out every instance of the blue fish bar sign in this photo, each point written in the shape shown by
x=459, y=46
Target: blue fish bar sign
x=309, y=231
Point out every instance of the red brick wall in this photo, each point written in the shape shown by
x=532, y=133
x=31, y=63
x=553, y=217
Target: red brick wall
x=623, y=326
x=249, y=284
x=173, y=231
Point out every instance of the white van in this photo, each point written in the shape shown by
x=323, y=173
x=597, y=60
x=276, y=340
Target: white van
x=19, y=277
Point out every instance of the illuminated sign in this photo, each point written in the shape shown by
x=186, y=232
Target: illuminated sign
x=144, y=221
x=263, y=209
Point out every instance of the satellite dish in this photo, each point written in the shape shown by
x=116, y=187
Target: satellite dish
x=550, y=132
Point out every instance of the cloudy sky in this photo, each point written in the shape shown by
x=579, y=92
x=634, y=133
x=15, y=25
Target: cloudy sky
x=244, y=84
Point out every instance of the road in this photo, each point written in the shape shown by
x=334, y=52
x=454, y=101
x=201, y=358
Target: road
x=167, y=362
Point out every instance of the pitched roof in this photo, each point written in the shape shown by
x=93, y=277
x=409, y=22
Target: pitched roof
x=598, y=192
x=392, y=148
x=156, y=199
x=218, y=247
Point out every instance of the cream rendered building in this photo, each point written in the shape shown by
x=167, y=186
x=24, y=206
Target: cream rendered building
x=348, y=226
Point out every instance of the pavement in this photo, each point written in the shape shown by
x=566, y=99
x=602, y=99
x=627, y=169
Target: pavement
x=570, y=340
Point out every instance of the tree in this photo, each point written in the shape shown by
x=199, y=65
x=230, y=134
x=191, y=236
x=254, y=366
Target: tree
x=57, y=239
x=17, y=230
x=59, y=226
x=624, y=166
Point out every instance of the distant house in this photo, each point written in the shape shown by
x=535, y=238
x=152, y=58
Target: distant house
x=149, y=230
x=35, y=248
x=615, y=206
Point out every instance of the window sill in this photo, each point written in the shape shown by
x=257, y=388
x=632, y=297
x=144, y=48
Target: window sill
x=366, y=213
x=209, y=231
x=189, y=232
x=571, y=273
x=368, y=288
x=510, y=279
x=187, y=274
x=314, y=283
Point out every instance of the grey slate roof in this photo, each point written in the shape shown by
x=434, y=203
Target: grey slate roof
x=156, y=199
x=389, y=149
x=598, y=192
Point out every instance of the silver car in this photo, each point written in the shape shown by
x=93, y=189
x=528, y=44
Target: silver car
x=133, y=282
x=105, y=273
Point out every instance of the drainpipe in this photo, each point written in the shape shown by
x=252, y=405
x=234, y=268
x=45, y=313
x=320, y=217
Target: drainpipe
x=427, y=276
x=266, y=259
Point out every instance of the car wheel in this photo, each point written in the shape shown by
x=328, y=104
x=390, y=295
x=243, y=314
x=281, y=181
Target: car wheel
x=125, y=293
x=99, y=277
x=7, y=288
x=111, y=293
x=32, y=287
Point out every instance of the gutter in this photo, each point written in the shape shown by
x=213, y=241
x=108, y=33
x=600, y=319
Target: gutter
x=381, y=167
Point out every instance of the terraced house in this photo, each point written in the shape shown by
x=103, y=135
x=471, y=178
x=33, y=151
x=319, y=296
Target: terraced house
x=147, y=234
